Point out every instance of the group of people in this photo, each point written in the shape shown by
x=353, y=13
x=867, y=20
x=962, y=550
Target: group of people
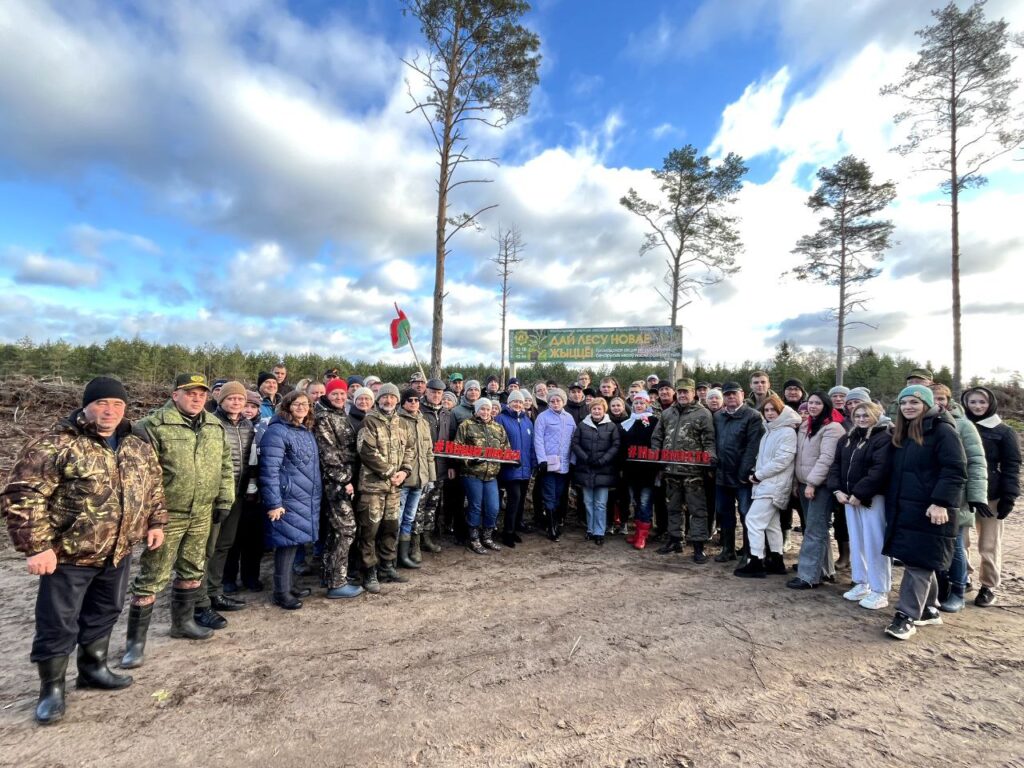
x=364, y=472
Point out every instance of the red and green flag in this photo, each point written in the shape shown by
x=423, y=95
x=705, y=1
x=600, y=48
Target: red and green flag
x=400, y=329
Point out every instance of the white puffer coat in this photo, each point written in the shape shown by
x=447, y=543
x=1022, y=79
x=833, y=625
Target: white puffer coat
x=776, y=458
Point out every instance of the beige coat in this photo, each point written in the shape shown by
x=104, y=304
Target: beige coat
x=814, y=455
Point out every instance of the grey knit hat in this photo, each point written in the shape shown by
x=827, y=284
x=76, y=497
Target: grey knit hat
x=860, y=394
x=472, y=384
x=515, y=395
x=362, y=391
x=556, y=392
x=480, y=404
x=450, y=396
x=838, y=390
x=387, y=389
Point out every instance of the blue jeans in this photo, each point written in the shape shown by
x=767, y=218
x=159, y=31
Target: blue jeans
x=596, y=502
x=958, y=568
x=554, y=486
x=726, y=501
x=408, y=503
x=643, y=499
x=816, y=551
x=481, y=501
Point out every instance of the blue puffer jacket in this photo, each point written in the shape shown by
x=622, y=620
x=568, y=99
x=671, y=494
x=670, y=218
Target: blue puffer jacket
x=290, y=478
x=519, y=429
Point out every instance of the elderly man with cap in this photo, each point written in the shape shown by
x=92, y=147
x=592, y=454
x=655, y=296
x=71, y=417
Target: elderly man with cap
x=686, y=426
x=442, y=427
x=374, y=383
x=386, y=457
x=702, y=392
x=76, y=501
x=199, y=484
x=838, y=395
x=239, y=432
x=738, y=431
x=418, y=382
x=653, y=381
x=793, y=393
x=492, y=388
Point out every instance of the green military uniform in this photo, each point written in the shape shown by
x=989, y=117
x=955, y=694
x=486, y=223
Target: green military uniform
x=384, y=449
x=198, y=478
x=336, y=441
x=686, y=428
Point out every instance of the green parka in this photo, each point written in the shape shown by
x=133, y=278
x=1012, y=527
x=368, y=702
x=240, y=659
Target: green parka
x=418, y=431
x=977, y=466
x=195, y=459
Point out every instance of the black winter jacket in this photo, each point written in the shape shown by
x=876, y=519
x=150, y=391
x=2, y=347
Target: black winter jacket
x=639, y=433
x=737, y=438
x=919, y=476
x=595, y=447
x=861, y=465
x=442, y=427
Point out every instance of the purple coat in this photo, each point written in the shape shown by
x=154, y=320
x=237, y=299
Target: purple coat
x=552, y=436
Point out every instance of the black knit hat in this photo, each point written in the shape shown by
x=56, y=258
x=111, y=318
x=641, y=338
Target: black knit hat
x=794, y=383
x=264, y=375
x=103, y=387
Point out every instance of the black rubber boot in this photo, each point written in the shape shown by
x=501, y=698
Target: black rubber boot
x=135, y=640
x=672, y=545
x=387, y=573
x=553, y=531
x=183, y=623
x=728, y=546
x=403, y=553
x=427, y=542
x=93, y=671
x=488, y=540
x=50, y=708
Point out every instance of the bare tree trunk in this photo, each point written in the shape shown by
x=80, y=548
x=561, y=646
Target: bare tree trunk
x=955, y=234
x=841, y=330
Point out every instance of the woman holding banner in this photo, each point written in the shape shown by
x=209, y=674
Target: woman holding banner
x=480, y=477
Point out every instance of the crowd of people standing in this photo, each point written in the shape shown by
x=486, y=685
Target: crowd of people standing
x=357, y=469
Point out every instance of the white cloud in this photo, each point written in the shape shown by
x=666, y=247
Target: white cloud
x=39, y=269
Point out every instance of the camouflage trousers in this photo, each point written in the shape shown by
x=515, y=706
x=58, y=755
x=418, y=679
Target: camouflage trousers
x=430, y=503
x=340, y=532
x=377, y=516
x=687, y=508
x=183, y=552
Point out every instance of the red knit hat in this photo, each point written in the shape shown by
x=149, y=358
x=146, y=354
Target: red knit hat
x=334, y=384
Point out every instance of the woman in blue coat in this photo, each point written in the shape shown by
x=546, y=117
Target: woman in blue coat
x=515, y=478
x=290, y=488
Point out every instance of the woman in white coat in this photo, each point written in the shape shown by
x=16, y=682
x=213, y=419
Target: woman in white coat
x=772, y=482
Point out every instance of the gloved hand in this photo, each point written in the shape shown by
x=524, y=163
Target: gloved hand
x=1004, y=508
x=219, y=515
x=475, y=462
x=542, y=468
x=981, y=509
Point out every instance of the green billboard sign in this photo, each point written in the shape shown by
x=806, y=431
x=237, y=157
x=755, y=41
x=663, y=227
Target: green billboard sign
x=548, y=345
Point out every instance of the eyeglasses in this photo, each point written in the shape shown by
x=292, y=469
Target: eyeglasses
x=304, y=406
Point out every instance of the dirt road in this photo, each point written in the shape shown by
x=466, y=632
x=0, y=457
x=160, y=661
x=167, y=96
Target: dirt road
x=548, y=655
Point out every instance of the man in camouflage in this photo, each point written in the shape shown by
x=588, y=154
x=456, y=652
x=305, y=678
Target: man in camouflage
x=686, y=426
x=199, y=485
x=386, y=460
x=336, y=440
x=76, y=501
x=442, y=427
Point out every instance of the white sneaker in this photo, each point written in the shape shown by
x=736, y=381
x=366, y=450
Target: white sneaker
x=859, y=592
x=875, y=601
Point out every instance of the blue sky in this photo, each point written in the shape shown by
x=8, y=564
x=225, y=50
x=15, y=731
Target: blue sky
x=247, y=173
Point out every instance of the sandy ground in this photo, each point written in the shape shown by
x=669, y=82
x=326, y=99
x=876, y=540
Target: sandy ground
x=548, y=655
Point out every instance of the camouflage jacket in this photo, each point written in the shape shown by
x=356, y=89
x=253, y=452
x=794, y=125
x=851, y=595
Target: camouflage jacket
x=71, y=493
x=685, y=428
x=487, y=434
x=196, y=461
x=418, y=429
x=384, y=449
x=336, y=441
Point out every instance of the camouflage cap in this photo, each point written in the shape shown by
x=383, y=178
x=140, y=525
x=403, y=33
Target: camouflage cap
x=920, y=373
x=685, y=384
x=190, y=381
x=417, y=376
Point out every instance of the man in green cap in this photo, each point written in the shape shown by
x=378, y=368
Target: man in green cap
x=686, y=426
x=199, y=485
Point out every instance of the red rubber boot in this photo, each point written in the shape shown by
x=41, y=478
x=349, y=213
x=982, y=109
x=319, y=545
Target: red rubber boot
x=642, y=531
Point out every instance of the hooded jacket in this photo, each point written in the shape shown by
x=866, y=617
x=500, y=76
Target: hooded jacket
x=776, y=459
x=595, y=453
x=861, y=465
x=290, y=478
x=70, y=492
x=519, y=430
x=418, y=432
x=977, y=465
x=1002, y=452
x=921, y=475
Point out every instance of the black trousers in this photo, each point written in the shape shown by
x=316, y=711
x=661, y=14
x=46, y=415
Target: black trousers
x=218, y=546
x=454, y=508
x=247, y=550
x=77, y=604
x=660, y=508
x=515, y=503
